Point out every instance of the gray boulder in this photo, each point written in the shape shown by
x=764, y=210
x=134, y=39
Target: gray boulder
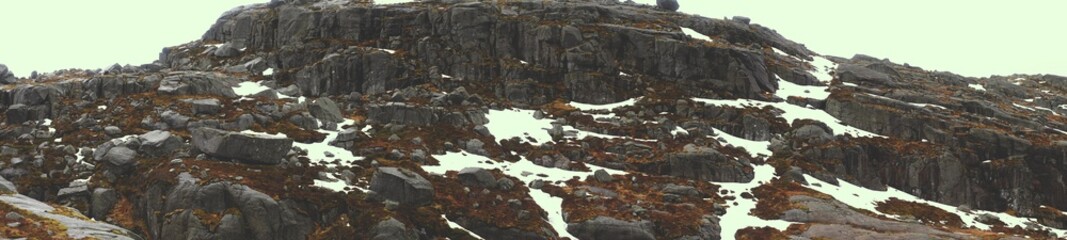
x=669, y=5
x=227, y=50
x=391, y=229
x=707, y=164
x=7, y=186
x=120, y=156
x=859, y=74
x=198, y=83
x=112, y=131
x=6, y=76
x=326, y=110
x=476, y=177
x=605, y=228
x=206, y=106
x=159, y=143
x=402, y=186
x=248, y=148
x=103, y=199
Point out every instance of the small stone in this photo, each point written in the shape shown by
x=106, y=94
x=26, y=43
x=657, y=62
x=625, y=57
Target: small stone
x=112, y=131
x=603, y=176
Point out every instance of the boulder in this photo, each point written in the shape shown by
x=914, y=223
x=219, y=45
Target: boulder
x=476, y=177
x=326, y=110
x=607, y=228
x=7, y=186
x=859, y=74
x=707, y=164
x=669, y=5
x=103, y=199
x=112, y=131
x=227, y=50
x=392, y=229
x=6, y=76
x=206, y=106
x=198, y=83
x=120, y=156
x=402, y=186
x=245, y=147
x=159, y=143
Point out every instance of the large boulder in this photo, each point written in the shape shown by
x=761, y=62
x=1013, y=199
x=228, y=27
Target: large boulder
x=707, y=164
x=605, y=228
x=326, y=110
x=392, y=229
x=669, y=5
x=402, y=186
x=245, y=147
x=159, y=143
x=6, y=76
x=476, y=177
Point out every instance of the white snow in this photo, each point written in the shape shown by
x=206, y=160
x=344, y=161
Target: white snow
x=445, y=76
x=679, y=130
x=787, y=89
x=624, y=74
x=977, y=87
x=1064, y=107
x=455, y=225
x=849, y=84
x=822, y=70
x=316, y=152
x=101, y=107
x=508, y=123
x=793, y=112
x=1018, y=81
x=1024, y=107
x=523, y=62
x=390, y=51
x=267, y=72
x=755, y=148
x=737, y=216
x=694, y=34
x=863, y=198
x=526, y=171
x=249, y=88
x=608, y=106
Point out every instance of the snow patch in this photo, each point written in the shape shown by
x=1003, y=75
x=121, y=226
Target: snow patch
x=867, y=199
x=756, y=148
x=608, y=106
x=101, y=107
x=526, y=171
x=249, y=88
x=509, y=123
x=737, y=216
x=694, y=34
x=977, y=87
x=788, y=89
x=267, y=72
x=822, y=70
x=793, y=112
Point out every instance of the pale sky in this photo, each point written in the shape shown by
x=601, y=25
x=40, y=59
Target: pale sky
x=972, y=38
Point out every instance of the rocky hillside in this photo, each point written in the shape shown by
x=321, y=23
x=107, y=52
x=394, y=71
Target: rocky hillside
x=524, y=119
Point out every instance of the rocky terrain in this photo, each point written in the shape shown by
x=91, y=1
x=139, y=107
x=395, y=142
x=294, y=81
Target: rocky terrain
x=524, y=120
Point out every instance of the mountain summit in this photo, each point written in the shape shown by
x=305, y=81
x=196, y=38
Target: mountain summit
x=524, y=120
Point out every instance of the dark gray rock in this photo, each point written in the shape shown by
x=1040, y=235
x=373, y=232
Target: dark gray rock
x=7, y=186
x=112, y=131
x=159, y=143
x=603, y=176
x=6, y=76
x=120, y=156
x=859, y=74
x=103, y=199
x=477, y=177
x=248, y=148
x=174, y=119
x=669, y=5
x=391, y=229
x=326, y=110
x=707, y=164
x=206, y=106
x=198, y=83
x=402, y=186
x=227, y=50
x=605, y=228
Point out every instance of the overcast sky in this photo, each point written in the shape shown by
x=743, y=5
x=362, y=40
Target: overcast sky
x=972, y=38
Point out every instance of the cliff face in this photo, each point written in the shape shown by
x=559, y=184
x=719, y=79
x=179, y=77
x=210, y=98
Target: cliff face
x=531, y=120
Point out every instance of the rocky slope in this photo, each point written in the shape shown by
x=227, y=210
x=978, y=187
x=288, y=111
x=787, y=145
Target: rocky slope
x=524, y=120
